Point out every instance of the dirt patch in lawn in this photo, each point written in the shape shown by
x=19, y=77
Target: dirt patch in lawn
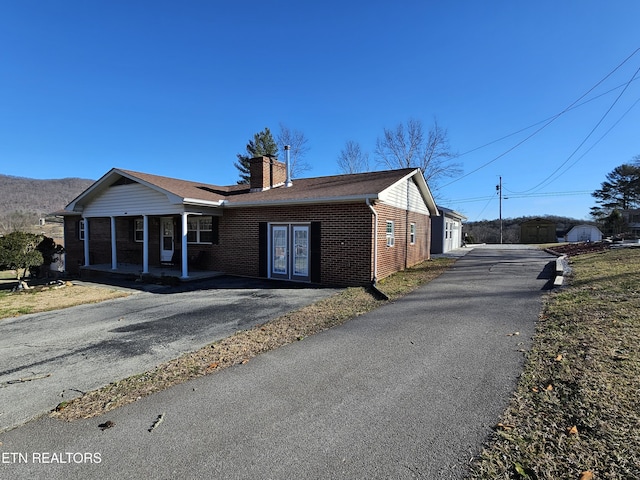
x=243, y=346
x=45, y=298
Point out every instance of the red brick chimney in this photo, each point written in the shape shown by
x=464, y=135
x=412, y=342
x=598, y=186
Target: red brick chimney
x=266, y=173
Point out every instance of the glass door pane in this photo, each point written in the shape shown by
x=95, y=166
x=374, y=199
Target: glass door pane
x=279, y=253
x=301, y=251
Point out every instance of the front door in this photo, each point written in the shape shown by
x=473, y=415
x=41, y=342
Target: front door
x=300, y=261
x=166, y=239
x=280, y=251
x=289, y=256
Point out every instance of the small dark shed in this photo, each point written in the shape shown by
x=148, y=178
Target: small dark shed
x=538, y=230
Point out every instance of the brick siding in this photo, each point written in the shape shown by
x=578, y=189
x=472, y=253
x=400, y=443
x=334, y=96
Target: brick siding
x=403, y=254
x=346, y=241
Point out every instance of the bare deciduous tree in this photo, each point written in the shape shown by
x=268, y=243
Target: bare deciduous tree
x=299, y=148
x=409, y=146
x=17, y=221
x=352, y=159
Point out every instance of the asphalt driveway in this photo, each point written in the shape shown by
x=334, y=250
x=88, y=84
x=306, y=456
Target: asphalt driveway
x=410, y=390
x=46, y=358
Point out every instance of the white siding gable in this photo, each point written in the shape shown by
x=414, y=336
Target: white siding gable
x=406, y=195
x=131, y=199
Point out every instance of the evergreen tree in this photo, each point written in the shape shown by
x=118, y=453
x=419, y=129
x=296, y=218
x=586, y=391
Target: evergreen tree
x=263, y=144
x=621, y=190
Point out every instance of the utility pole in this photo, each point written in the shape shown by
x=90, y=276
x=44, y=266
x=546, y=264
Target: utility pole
x=499, y=189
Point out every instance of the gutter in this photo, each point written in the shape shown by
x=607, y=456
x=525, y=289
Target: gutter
x=375, y=241
x=298, y=201
x=203, y=203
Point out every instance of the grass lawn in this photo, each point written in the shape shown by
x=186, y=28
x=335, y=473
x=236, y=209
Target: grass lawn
x=46, y=298
x=576, y=412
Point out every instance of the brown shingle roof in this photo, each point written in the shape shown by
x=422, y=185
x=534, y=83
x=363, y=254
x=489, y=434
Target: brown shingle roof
x=359, y=185
x=181, y=188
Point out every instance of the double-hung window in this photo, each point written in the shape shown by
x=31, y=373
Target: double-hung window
x=200, y=230
x=412, y=233
x=138, y=230
x=390, y=234
x=81, y=230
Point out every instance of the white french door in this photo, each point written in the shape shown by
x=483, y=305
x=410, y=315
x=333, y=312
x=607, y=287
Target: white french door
x=279, y=251
x=289, y=256
x=300, y=262
x=166, y=239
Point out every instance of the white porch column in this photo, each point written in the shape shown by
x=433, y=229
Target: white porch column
x=114, y=253
x=145, y=244
x=86, y=241
x=185, y=263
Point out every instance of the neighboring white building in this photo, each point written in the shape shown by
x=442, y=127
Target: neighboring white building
x=446, y=231
x=584, y=233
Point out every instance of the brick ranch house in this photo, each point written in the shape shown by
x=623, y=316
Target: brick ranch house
x=337, y=230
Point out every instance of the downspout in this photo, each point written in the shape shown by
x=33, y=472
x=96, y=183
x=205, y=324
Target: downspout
x=406, y=227
x=375, y=242
x=377, y=293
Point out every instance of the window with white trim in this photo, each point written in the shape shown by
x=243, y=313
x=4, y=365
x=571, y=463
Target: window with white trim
x=138, y=230
x=199, y=230
x=390, y=234
x=81, y=230
x=412, y=233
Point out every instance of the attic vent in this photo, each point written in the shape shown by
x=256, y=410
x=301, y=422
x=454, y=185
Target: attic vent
x=122, y=181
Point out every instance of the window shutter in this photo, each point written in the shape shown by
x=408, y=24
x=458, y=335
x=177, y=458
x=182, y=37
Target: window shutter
x=262, y=249
x=215, y=230
x=316, y=257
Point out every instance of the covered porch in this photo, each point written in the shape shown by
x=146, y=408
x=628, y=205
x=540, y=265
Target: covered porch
x=150, y=244
x=131, y=222
x=131, y=270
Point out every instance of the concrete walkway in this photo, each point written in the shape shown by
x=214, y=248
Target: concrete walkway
x=410, y=390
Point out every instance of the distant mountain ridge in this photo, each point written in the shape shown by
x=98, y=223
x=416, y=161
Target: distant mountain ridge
x=38, y=197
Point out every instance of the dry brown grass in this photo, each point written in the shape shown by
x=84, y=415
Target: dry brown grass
x=577, y=407
x=244, y=345
x=46, y=298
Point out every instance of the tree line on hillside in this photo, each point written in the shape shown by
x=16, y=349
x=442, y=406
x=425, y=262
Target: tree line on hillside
x=488, y=231
x=23, y=201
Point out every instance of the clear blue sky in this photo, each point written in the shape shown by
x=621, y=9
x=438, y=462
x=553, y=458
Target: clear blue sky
x=178, y=88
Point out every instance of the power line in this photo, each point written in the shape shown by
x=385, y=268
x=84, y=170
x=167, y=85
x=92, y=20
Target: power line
x=551, y=120
x=528, y=195
x=541, y=184
x=542, y=121
x=485, y=207
x=592, y=146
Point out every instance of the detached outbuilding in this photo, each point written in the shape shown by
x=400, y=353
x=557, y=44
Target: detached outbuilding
x=584, y=233
x=538, y=230
x=446, y=231
x=340, y=230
